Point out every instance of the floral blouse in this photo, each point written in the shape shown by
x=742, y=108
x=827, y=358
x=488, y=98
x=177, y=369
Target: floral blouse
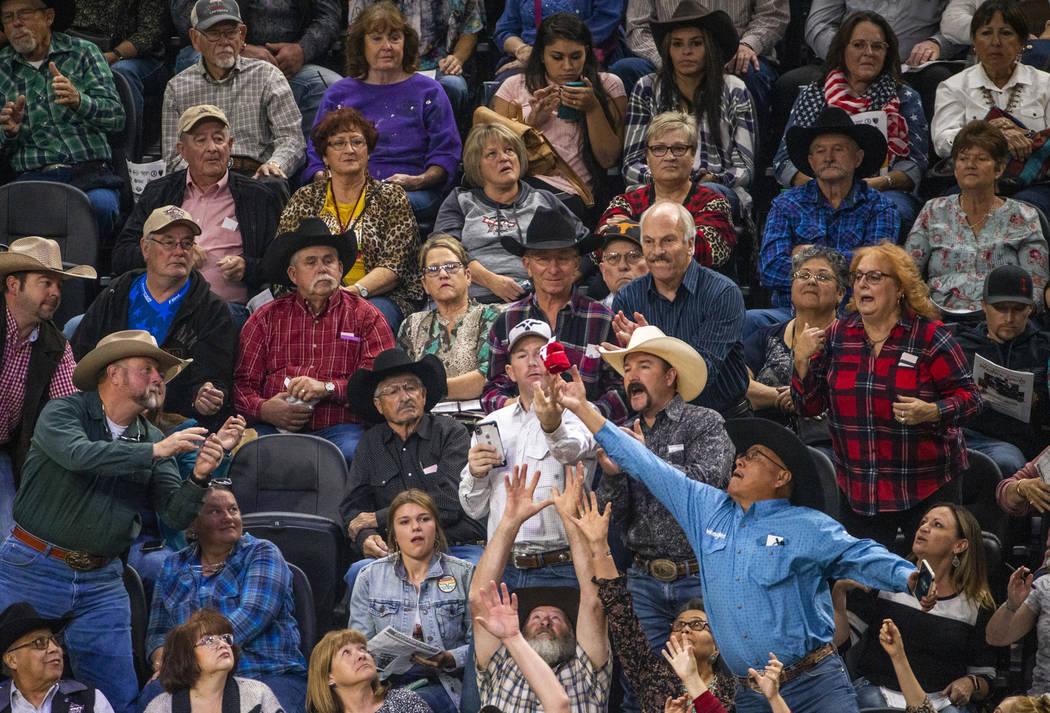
x=462, y=348
x=956, y=262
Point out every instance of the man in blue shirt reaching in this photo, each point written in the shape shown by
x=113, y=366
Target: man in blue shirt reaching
x=765, y=557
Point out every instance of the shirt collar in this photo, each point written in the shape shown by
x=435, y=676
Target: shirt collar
x=301, y=301
x=238, y=65
x=47, y=697
x=1019, y=76
x=574, y=304
x=851, y=199
x=675, y=409
x=765, y=508
x=218, y=187
x=12, y=328
x=422, y=430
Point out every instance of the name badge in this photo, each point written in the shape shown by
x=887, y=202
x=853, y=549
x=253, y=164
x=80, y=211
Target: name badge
x=774, y=541
x=430, y=469
x=675, y=448
x=229, y=224
x=592, y=352
x=908, y=360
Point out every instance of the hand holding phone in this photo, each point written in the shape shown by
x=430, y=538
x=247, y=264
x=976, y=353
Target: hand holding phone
x=569, y=113
x=488, y=434
x=925, y=581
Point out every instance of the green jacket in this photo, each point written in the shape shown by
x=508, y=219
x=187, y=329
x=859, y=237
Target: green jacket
x=83, y=491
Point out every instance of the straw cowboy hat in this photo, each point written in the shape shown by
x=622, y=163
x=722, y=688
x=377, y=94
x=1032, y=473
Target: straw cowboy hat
x=691, y=368
x=35, y=254
x=121, y=345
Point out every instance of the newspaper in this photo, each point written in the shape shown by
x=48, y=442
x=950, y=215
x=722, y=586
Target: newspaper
x=878, y=119
x=471, y=405
x=143, y=173
x=1007, y=391
x=393, y=650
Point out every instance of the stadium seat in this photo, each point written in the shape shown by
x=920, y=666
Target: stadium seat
x=305, y=615
x=139, y=623
x=830, y=485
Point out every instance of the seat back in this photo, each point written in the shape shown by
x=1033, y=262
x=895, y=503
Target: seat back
x=126, y=145
x=305, y=614
x=290, y=472
x=139, y=623
x=828, y=482
x=978, y=482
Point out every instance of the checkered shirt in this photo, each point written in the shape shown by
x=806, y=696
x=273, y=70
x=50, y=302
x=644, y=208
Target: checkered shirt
x=503, y=685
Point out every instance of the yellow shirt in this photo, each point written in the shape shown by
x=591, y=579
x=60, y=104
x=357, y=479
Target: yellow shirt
x=346, y=214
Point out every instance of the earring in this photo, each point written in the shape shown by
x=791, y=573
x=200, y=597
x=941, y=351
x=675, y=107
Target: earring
x=955, y=561
x=331, y=683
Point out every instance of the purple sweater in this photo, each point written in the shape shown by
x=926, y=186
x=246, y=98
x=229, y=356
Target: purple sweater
x=414, y=120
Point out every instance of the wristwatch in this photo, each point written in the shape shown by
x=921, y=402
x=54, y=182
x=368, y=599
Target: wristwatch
x=361, y=290
x=329, y=387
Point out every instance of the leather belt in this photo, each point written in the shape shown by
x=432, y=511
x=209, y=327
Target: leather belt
x=243, y=164
x=80, y=561
x=804, y=664
x=542, y=559
x=667, y=570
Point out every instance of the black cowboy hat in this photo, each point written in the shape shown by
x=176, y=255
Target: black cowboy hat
x=565, y=598
x=747, y=432
x=692, y=14
x=21, y=618
x=311, y=231
x=833, y=120
x=549, y=229
x=360, y=391
x=64, y=12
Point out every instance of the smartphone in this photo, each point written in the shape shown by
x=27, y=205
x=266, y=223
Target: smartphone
x=922, y=587
x=488, y=433
x=567, y=112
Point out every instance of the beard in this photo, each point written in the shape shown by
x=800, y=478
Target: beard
x=554, y=651
x=24, y=45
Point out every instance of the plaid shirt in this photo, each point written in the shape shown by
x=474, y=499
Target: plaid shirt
x=257, y=100
x=253, y=590
x=54, y=133
x=283, y=339
x=884, y=465
x=803, y=216
x=582, y=325
x=502, y=684
x=13, y=374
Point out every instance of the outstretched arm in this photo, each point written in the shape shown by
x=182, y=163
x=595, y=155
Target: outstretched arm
x=890, y=638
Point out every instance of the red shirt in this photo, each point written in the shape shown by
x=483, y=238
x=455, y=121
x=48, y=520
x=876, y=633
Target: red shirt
x=283, y=339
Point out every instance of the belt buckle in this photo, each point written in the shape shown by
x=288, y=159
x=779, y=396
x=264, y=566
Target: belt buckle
x=663, y=569
x=81, y=561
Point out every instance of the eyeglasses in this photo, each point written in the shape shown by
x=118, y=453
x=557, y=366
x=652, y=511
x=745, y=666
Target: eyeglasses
x=40, y=643
x=751, y=453
x=215, y=35
x=542, y=259
x=864, y=45
x=806, y=276
x=451, y=268
x=137, y=438
x=356, y=144
x=23, y=15
x=873, y=277
x=411, y=388
x=170, y=243
x=678, y=150
x=215, y=640
x=633, y=257
x=693, y=624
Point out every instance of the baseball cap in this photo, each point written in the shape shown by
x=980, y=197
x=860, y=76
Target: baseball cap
x=629, y=230
x=1008, y=283
x=195, y=114
x=206, y=13
x=164, y=216
x=528, y=328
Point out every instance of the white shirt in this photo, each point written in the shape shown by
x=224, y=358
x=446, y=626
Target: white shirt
x=19, y=704
x=525, y=443
x=962, y=98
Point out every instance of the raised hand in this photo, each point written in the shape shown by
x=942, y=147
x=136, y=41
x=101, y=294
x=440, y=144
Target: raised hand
x=593, y=522
x=546, y=403
x=890, y=639
x=567, y=503
x=208, y=457
x=502, y=620
x=11, y=115
x=679, y=653
x=230, y=434
x=1019, y=587
x=768, y=680
x=573, y=394
x=182, y=441
x=65, y=92
x=520, y=506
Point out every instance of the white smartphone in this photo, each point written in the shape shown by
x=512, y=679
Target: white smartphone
x=488, y=433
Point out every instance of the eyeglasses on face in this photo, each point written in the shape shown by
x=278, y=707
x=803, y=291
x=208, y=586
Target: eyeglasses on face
x=22, y=15
x=340, y=144
x=752, y=453
x=229, y=35
x=41, y=642
x=806, y=276
x=409, y=387
x=451, y=268
x=633, y=257
x=677, y=150
x=864, y=45
x=872, y=277
x=697, y=624
x=215, y=640
x=170, y=243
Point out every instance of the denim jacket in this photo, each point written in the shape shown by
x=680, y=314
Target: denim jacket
x=384, y=597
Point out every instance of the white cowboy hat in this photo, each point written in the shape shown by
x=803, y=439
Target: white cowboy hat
x=35, y=254
x=691, y=367
x=121, y=345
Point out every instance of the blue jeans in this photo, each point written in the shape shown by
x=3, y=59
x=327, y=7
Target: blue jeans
x=7, y=493
x=425, y=204
x=98, y=636
x=870, y=696
x=657, y=603
x=455, y=86
x=1039, y=196
x=105, y=202
x=822, y=689
x=391, y=312
x=759, y=83
x=344, y=435
x=553, y=575
x=1007, y=456
x=758, y=318
x=148, y=564
x=630, y=70
x=239, y=313
x=907, y=207
x=146, y=75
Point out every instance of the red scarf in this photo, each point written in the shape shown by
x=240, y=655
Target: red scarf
x=838, y=93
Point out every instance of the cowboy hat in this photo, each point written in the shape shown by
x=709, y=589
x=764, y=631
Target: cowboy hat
x=691, y=367
x=121, y=345
x=21, y=618
x=550, y=229
x=310, y=232
x=692, y=14
x=833, y=120
x=35, y=254
x=360, y=391
x=565, y=598
x=793, y=453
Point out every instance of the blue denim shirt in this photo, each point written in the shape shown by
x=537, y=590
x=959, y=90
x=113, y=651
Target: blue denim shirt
x=384, y=597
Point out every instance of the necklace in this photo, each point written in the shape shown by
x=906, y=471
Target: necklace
x=977, y=226
x=343, y=227
x=1012, y=99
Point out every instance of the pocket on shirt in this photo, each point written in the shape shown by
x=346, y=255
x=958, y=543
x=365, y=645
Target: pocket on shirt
x=534, y=448
x=771, y=568
x=383, y=611
x=450, y=620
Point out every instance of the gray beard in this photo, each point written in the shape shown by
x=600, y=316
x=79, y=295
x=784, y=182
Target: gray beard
x=554, y=651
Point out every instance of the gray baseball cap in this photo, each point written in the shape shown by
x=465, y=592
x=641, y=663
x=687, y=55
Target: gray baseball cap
x=206, y=13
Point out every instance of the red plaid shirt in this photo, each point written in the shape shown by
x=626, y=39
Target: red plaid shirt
x=884, y=465
x=14, y=371
x=282, y=339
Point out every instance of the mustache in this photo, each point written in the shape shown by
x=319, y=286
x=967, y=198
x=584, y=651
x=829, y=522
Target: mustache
x=636, y=387
x=323, y=278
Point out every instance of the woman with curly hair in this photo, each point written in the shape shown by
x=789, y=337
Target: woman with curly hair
x=897, y=389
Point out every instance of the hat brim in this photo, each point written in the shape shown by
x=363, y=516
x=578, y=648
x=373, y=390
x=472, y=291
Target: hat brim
x=360, y=391
x=565, y=598
x=65, y=10
x=868, y=138
x=27, y=624
x=19, y=262
x=747, y=432
x=192, y=225
x=212, y=21
x=1019, y=299
x=691, y=367
x=85, y=376
x=717, y=23
x=279, y=254
x=587, y=245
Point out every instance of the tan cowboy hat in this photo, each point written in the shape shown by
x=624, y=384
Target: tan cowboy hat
x=691, y=367
x=35, y=254
x=121, y=345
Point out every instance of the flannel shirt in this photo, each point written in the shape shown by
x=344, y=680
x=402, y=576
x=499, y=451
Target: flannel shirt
x=503, y=685
x=803, y=216
x=253, y=591
x=582, y=325
x=257, y=100
x=54, y=133
x=715, y=237
x=283, y=339
x=882, y=464
x=13, y=374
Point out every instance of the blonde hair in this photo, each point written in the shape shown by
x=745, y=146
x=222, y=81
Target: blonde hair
x=475, y=145
x=672, y=121
x=916, y=293
x=446, y=241
x=320, y=698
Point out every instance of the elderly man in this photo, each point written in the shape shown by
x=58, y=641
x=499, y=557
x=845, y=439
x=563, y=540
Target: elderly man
x=551, y=256
x=298, y=352
x=36, y=362
x=764, y=560
x=252, y=92
x=622, y=258
x=237, y=215
x=1009, y=339
x=689, y=302
x=171, y=301
x=31, y=647
x=661, y=374
x=94, y=459
x=59, y=104
x=836, y=210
